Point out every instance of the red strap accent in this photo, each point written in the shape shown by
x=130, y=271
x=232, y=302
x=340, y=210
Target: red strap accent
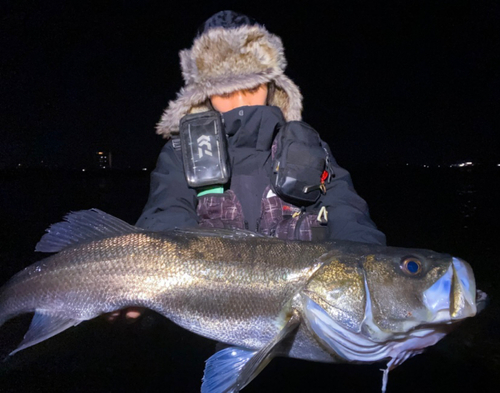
x=324, y=176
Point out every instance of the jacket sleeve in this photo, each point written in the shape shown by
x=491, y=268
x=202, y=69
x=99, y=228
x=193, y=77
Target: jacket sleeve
x=171, y=203
x=348, y=215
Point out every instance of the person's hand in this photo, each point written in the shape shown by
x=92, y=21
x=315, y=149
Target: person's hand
x=130, y=314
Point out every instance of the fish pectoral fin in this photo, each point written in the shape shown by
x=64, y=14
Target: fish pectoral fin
x=231, y=369
x=264, y=355
x=43, y=326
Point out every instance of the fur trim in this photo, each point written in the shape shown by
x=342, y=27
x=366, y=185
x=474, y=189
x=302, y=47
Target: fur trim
x=225, y=60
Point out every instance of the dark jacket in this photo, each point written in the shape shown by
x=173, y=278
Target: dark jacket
x=251, y=131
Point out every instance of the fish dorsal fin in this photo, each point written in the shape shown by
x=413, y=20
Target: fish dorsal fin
x=220, y=232
x=231, y=369
x=83, y=226
x=43, y=326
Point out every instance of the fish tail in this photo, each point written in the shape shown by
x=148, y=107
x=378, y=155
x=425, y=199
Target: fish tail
x=44, y=324
x=27, y=291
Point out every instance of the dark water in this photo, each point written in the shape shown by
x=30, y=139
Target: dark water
x=442, y=209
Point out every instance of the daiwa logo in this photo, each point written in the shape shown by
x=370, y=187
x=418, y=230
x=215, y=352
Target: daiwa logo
x=204, y=145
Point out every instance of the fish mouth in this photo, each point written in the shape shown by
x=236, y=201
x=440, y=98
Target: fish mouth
x=453, y=296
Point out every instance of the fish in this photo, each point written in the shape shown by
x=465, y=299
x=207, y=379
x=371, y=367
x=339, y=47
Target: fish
x=260, y=297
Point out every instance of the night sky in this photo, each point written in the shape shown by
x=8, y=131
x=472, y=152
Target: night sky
x=412, y=82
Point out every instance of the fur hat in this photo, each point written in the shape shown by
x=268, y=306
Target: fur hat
x=231, y=52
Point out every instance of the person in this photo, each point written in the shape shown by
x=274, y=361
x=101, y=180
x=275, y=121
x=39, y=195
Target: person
x=236, y=67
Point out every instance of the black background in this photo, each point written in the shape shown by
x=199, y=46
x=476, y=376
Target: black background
x=394, y=82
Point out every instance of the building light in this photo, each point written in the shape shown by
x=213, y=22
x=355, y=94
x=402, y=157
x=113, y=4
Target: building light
x=104, y=160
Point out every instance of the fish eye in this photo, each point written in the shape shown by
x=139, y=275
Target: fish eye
x=411, y=266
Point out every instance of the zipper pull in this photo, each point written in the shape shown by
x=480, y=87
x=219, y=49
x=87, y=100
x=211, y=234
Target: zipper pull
x=322, y=215
x=321, y=186
x=308, y=189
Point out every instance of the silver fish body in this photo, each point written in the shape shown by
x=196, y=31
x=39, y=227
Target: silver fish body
x=330, y=302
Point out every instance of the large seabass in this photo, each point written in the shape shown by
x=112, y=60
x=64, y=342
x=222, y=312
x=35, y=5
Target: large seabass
x=263, y=297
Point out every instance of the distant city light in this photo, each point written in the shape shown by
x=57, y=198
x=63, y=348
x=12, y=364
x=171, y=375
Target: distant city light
x=145, y=169
x=462, y=164
x=83, y=170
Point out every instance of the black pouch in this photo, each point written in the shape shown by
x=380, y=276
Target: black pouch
x=298, y=164
x=204, y=149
